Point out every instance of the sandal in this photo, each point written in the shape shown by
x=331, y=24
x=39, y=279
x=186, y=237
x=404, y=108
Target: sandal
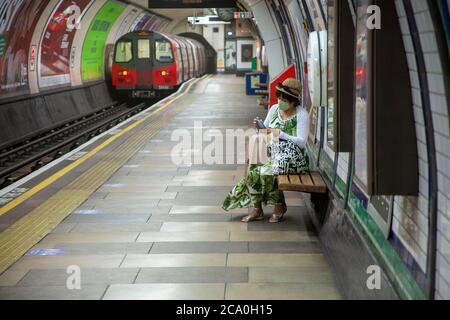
x=279, y=211
x=256, y=215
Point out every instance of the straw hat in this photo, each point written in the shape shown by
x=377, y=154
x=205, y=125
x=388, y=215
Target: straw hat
x=290, y=86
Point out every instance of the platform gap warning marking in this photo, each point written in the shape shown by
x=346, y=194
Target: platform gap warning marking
x=114, y=185
x=114, y=132
x=10, y=196
x=86, y=212
x=77, y=156
x=46, y=252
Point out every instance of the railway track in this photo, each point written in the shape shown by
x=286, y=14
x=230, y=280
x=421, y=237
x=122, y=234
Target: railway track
x=27, y=156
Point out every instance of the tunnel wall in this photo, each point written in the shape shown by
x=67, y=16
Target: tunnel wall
x=23, y=118
x=52, y=69
x=352, y=239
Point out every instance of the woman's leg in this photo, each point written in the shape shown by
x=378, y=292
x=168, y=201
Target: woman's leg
x=279, y=209
x=257, y=213
x=282, y=199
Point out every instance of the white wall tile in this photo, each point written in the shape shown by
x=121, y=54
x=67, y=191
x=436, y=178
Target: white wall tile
x=439, y=104
x=418, y=6
x=423, y=21
x=428, y=42
x=433, y=62
x=400, y=8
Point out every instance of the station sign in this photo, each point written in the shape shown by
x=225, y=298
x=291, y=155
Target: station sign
x=161, y=4
x=243, y=15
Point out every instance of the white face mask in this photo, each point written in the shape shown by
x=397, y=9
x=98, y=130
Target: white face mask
x=283, y=105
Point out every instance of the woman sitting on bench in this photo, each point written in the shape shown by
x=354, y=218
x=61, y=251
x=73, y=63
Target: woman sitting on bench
x=259, y=188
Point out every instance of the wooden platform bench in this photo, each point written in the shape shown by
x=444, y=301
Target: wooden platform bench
x=311, y=182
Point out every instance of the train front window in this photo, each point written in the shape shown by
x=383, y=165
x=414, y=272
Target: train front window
x=163, y=51
x=124, y=51
x=144, y=49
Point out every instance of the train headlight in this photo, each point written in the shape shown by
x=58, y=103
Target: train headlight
x=164, y=73
x=123, y=73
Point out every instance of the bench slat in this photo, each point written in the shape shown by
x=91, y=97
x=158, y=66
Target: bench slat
x=295, y=179
x=307, y=180
x=310, y=183
x=283, y=180
x=318, y=179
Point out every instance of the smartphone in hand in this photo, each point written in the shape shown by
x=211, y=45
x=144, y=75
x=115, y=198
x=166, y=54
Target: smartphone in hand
x=260, y=124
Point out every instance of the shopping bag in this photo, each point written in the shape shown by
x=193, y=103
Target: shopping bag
x=257, y=149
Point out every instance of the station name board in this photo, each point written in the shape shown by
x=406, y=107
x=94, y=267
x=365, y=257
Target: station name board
x=160, y=4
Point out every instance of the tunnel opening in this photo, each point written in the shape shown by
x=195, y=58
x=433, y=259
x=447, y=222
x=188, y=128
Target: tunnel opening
x=211, y=54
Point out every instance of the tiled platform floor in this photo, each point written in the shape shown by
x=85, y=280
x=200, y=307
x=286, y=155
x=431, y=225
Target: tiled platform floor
x=156, y=230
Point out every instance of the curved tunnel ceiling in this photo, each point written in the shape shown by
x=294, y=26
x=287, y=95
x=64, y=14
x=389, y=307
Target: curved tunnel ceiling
x=180, y=15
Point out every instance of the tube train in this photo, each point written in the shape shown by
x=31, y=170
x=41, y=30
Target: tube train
x=150, y=64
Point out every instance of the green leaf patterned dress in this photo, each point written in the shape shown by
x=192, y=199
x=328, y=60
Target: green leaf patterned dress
x=260, y=186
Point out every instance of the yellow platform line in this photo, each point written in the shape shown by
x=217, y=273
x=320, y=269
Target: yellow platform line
x=29, y=230
x=17, y=201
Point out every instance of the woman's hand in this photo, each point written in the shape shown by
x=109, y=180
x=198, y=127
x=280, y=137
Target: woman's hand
x=273, y=134
x=255, y=124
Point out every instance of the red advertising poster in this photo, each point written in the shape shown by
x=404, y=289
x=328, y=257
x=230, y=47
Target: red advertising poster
x=18, y=19
x=56, y=42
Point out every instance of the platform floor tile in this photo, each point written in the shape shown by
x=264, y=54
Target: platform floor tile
x=284, y=247
x=276, y=260
x=52, y=293
x=200, y=247
x=88, y=277
x=99, y=237
x=283, y=291
x=202, y=226
x=271, y=236
x=174, y=260
x=63, y=261
x=178, y=209
x=311, y=275
x=110, y=218
x=190, y=218
x=193, y=275
x=10, y=277
x=96, y=248
x=169, y=291
x=115, y=227
x=184, y=236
